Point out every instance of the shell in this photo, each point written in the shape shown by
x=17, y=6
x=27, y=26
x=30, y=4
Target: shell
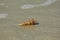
x=29, y=22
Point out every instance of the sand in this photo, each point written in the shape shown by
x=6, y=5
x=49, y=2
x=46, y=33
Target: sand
x=47, y=16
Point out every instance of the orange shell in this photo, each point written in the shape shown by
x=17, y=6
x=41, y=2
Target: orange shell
x=30, y=22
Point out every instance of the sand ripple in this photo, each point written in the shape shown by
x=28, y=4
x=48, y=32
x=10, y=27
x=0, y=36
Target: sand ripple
x=3, y=15
x=27, y=6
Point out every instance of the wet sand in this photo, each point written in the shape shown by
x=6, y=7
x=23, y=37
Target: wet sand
x=47, y=16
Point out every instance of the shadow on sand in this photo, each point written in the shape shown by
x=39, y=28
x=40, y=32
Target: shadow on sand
x=37, y=23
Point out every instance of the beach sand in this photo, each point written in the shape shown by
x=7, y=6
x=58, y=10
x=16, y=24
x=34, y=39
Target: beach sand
x=47, y=16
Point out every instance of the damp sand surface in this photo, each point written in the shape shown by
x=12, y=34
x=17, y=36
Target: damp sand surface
x=11, y=15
